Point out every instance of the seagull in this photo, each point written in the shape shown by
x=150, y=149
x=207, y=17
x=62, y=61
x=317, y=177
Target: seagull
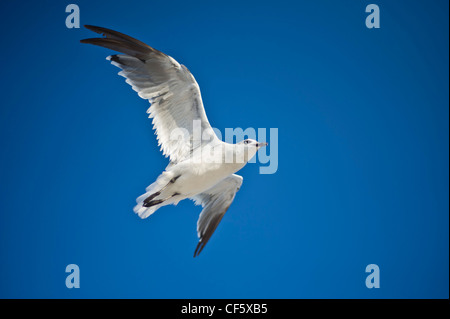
x=201, y=167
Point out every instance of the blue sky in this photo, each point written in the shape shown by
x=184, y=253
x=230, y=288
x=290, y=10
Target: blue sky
x=363, y=134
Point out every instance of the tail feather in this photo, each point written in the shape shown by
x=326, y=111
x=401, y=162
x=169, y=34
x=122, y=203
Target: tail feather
x=153, y=193
x=144, y=212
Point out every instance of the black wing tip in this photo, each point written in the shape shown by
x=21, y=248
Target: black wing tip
x=89, y=41
x=199, y=248
x=99, y=41
x=120, y=42
x=96, y=29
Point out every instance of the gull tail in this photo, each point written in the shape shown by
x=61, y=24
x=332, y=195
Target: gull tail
x=157, y=195
x=143, y=212
x=144, y=207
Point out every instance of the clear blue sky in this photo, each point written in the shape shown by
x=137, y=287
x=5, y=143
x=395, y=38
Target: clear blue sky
x=363, y=172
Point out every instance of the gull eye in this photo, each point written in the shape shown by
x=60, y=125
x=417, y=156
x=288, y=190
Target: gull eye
x=246, y=141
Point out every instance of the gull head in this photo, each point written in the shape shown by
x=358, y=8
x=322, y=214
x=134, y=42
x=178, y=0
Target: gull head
x=249, y=148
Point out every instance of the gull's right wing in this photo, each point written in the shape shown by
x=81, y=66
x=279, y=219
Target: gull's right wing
x=170, y=88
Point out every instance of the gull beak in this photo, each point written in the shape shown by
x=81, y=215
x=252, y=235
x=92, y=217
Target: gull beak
x=262, y=144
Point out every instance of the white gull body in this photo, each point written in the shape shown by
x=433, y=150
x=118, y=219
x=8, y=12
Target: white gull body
x=201, y=169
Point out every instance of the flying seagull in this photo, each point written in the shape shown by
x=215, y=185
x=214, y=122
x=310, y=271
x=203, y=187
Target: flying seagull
x=201, y=168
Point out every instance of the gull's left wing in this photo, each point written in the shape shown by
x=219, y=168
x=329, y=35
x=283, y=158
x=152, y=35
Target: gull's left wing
x=215, y=202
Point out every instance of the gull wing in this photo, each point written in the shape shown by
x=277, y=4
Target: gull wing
x=215, y=202
x=176, y=102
